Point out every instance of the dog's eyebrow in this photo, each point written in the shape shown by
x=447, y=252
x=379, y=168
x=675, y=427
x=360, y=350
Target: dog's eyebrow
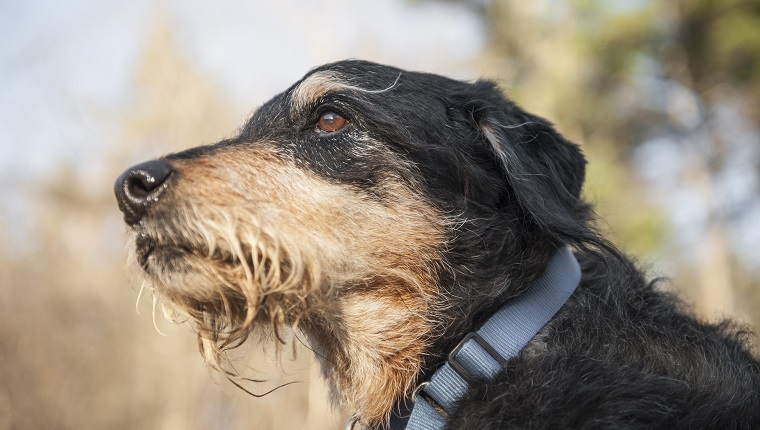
x=321, y=83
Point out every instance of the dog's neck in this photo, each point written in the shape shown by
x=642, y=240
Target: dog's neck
x=481, y=355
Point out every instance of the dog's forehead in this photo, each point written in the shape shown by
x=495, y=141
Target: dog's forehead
x=358, y=76
x=316, y=85
x=369, y=89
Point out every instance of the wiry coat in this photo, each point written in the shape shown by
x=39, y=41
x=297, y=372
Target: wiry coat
x=622, y=354
x=390, y=238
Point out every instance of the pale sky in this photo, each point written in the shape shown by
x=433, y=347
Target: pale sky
x=66, y=66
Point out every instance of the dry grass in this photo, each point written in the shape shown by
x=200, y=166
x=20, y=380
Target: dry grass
x=74, y=354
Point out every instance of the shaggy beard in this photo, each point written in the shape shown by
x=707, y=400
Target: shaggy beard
x=227, y=279
x=237, y=274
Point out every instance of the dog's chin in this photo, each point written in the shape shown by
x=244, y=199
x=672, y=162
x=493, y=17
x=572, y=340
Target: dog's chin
x=213, y=293
x=193, y=288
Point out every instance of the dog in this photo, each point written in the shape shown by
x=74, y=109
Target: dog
x=429, y=238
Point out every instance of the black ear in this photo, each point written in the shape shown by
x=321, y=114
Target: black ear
x=544, y=170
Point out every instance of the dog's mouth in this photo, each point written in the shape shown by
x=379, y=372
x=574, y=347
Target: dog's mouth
x=154, y=254
x=147, y=247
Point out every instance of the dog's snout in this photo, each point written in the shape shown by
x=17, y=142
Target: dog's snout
x=139, y=187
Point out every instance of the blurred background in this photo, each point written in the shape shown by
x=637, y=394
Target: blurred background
x=664, y=96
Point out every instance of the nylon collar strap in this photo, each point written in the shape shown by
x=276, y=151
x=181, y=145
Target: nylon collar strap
x=483, y=354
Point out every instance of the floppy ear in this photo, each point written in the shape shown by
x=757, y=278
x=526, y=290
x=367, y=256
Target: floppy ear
x=544, y=170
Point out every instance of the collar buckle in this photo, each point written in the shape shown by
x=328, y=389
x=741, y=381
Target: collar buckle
x=460, y=369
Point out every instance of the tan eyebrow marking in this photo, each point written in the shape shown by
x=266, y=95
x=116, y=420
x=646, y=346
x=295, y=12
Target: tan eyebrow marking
x=319, y=84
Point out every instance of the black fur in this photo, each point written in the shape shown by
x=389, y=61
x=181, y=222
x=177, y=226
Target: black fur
x=623, y=354
x=620, y=354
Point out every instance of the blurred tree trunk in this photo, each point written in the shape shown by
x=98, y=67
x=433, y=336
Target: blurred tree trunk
x=174, y=105
x=715, y=298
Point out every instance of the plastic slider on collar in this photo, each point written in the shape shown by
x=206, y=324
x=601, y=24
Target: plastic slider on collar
x=464, y=373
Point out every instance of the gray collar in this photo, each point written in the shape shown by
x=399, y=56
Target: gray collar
x=481, y=355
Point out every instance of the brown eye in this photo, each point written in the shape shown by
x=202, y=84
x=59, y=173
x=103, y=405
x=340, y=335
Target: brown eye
x=331, y=121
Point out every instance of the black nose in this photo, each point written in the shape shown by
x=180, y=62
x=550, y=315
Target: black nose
x=139, y=186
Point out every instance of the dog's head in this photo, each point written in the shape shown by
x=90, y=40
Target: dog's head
x=378, y=210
